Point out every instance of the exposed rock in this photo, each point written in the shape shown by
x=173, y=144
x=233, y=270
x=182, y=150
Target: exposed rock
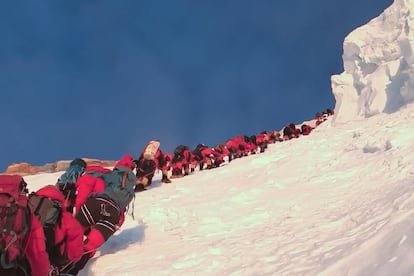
x=62, y=165
x=22, y=169
x=28, y=169
x=103, y=163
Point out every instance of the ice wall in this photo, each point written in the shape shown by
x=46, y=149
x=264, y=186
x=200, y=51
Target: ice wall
x=378, y=61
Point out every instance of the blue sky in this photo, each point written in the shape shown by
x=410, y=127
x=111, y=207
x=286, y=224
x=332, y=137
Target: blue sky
x=99, y=78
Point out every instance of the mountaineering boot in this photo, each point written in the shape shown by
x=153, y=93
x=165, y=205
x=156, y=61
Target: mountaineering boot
x=79, y=265
x=139, y=188
x=176, y=173
x=165, y=179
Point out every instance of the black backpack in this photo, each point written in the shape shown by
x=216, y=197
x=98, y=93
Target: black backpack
x=197, y=151
x=252, y=139
x=219, y=148
x=179, y=153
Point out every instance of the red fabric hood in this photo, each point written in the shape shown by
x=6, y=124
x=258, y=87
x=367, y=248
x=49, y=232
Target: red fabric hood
x=126, y=161
x=51, y=192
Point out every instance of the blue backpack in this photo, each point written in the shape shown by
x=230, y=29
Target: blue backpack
x=120, y=186
x=73, y=172
x=67, y=182
x=71, y=175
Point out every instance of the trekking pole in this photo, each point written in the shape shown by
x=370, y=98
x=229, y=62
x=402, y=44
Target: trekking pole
x=72, y=263
x=66, y=266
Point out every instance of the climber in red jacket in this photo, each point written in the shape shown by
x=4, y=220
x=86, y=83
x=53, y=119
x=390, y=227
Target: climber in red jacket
x=89, y=183
x=67, y=246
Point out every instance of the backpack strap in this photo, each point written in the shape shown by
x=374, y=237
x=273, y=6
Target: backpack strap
x=28, y=224
x=52, y=248
x=36, y=211
x=10, y=213
x=124, y=177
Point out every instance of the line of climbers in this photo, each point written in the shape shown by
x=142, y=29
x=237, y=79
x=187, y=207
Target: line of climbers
x=183, y=161
x=57, y=229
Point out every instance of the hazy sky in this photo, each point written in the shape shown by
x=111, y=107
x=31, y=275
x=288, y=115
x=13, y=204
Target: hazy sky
x=99, y=78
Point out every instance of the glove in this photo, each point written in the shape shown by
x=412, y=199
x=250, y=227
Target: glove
x=53, y=271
